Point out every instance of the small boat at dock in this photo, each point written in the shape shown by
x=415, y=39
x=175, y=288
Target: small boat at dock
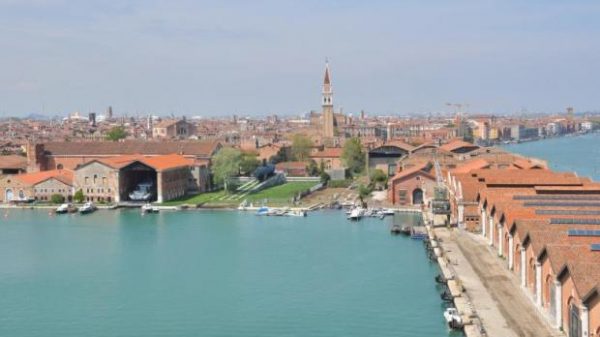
x=87, y=208
x=65, y=208
x=298, y=213
x=356, y=214
x=441, y=279
x=453, y=318
x=262, y=211
x=148, y=208
x=396, y=229
x=405, y=230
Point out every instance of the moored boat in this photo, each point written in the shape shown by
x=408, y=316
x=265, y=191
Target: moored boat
x=388, y=211
x=65, y=208
x=299, y=213
x=142, y=192
x=356, y=214
x=148, y=208
x=453, y=318
x=87, y=208
x=262, y=211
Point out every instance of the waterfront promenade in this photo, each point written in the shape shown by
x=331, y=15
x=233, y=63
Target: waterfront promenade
x=502, y=311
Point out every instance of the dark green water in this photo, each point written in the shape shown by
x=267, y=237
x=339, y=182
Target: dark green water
x=117, y=273
x=579, y=154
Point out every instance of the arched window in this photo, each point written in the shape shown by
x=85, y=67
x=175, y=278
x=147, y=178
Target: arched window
x=95, y=178
x=59, y=166
x=517, y=264
x=417, y=196
x=574, y=320
x=21, y=195
x=9, y=195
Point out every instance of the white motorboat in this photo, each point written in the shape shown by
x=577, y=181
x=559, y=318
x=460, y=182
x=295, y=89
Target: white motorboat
x=356, y=214
x=142, y=192
x=148, y=208
x=65, y=208
x=88, y=207
x=299, y=213
x=453, y=318
x=388, y=211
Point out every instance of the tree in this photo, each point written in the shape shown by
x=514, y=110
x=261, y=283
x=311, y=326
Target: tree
x=353, y=156
x=226, y=164
x=363, y=192
x=79, y=197
x=324, y=177
x=116, y=133
x=312, y=169
x=280, y=156
x=248, y=163
x=378, y=177
x=57, y=198
x=301, y=146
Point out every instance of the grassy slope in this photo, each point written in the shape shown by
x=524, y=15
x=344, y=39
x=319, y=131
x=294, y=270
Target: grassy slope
x=281, y=194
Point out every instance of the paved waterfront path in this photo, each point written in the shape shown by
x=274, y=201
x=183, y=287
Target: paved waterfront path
x=505, y=310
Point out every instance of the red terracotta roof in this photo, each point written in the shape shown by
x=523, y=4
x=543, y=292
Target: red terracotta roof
x=457, y=144
x=471, y=165
x=13, y=162
x=159, y=163
x=131, y=147
x=65, y=176
x=422, y=169
x=328, y=152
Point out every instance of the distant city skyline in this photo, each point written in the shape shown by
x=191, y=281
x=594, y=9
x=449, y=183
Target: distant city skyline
x=260, y=58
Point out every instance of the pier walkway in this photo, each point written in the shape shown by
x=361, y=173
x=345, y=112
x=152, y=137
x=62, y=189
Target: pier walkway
x=504, y=310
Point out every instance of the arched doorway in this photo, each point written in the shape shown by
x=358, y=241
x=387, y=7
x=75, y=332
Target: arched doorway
x=574, y=320
x=8, y=195
x=517, y=259
x=550, y=296
x=417, y=196
x=531, y=276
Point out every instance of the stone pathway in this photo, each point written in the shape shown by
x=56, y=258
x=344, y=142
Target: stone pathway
x=504, y=309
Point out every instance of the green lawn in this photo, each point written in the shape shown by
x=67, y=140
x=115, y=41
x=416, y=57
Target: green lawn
x=196, y=199
x=277, y=195
x=281, y=193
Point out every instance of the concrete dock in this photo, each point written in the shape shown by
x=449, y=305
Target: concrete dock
x=485, y=293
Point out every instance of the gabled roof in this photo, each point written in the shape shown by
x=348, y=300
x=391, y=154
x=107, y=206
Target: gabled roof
x=328, y=152
x=159, y=163
x=471, y=165
x=131, y=147
x=64, y=176
x=526, y=164
x=13, y=162
x=458, y=144
x=420, y=169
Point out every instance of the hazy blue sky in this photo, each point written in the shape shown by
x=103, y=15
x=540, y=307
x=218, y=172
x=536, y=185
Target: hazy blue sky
x=263, y=57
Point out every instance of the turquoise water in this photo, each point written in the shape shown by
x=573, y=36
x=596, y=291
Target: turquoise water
x=579, y=154
x=117, y=273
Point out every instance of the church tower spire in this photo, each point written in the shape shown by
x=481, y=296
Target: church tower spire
x=327, y=104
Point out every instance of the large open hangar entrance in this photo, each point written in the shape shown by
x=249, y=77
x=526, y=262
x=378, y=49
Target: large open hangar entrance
x=137, y=180
x=386, y=158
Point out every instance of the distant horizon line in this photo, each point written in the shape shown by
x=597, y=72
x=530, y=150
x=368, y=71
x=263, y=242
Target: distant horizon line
x=85, y=115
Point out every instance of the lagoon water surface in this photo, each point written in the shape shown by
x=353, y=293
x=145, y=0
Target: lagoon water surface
x=579, y=154
x=118, y=273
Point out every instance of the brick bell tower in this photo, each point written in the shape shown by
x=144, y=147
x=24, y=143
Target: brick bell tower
x=327, y=104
